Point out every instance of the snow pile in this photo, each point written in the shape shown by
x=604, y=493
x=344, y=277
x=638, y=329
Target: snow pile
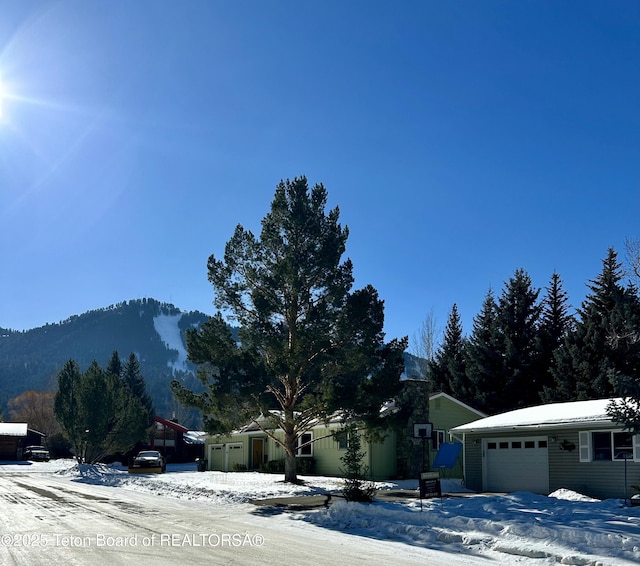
x=522, y=528
x=167, y=327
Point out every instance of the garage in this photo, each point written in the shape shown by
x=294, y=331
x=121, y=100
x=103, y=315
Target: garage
x=516, y=464
x=226, y=457
x=216, y=457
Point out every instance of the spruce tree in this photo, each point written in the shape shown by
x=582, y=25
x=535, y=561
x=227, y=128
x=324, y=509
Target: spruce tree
x=356, y=485
x=98, y=413
x=67, y=408
x=603, y=352
x=518, y=315
x=448, y=368
x=555, y=325
x=484, y=358
x=133, y=378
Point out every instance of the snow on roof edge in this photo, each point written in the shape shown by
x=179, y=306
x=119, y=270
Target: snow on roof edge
x=541, y=416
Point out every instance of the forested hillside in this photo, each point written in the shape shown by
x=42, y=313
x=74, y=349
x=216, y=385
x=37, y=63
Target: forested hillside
x=154, y=331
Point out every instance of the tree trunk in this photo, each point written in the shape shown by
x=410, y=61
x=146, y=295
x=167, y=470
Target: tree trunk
x=290, y=465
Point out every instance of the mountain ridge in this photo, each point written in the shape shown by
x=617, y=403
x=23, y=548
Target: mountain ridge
x=153, y=330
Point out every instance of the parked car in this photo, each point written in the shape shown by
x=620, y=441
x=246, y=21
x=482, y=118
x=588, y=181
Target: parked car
x=39, y=453
x=149, y=460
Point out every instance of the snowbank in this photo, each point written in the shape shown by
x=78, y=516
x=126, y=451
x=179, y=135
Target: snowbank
x=522, y=528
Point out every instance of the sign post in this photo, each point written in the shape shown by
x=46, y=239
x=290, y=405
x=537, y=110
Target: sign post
x=429, y=482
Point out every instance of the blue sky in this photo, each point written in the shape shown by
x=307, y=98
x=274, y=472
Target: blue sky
x=461, y=141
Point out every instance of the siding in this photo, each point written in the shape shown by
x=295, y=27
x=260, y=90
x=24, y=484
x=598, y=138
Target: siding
x=472, y=462
x=446, y=414
x=602, y=480
x=379, y=457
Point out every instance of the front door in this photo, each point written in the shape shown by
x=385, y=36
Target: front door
x=257, y=452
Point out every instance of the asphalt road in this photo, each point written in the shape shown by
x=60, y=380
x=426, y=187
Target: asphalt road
x=52, y=520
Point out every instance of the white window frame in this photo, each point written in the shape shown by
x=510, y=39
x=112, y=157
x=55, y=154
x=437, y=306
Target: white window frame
x=306, y=439
x=586, y=445
x=342, y=439
x=439, y=437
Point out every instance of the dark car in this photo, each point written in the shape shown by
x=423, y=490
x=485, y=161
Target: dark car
x=149, y=459
x=39, y=453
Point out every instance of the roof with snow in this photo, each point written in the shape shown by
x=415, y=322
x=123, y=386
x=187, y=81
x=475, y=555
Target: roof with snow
x=194, y=437
x=544, y=416
x=13, y=429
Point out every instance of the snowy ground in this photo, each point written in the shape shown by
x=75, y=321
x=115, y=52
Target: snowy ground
x=520, y=528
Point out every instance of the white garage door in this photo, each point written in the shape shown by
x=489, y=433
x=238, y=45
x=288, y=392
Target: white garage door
x=516, y=464
x=235, y=456
x=216, y=457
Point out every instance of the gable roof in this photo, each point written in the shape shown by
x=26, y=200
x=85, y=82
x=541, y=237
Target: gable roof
x=443, y=395
x=171, y=424
x=544, y=416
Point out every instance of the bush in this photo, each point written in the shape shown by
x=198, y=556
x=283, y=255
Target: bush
x=304, y=466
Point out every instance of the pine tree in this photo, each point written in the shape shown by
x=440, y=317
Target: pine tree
x=308, y=345
x=448, y=368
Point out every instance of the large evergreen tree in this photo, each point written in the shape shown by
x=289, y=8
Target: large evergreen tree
x=603, y=352
x=66, y=406
x=307, y=345
x=518, y=319
x=133, y=378
x=484, y=363
x=98, y=412
x=556, y=324
x=448, y=371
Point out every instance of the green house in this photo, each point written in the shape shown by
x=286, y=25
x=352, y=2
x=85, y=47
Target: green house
x=322, y=447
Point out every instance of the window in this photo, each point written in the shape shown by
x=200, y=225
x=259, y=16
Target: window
x=305, y=445
x=438, y=438
x=605, y=446
x=342, y=439
x=517, y=444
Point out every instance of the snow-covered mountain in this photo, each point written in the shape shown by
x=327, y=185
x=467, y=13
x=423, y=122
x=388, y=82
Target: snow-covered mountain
x=154, y=331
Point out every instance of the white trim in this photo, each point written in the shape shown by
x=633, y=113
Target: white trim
x=585, y=450
x=308, y=444
x=636, y=447
x=505, y=446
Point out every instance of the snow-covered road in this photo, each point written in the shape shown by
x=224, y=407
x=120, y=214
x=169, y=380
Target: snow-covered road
x=51, y=520
x=60, y=513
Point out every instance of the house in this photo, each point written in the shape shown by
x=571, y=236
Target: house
x=15, y=437
x=322, y=447
x=12, y=440
x=447, y=412
x=176, y=442
x=541, y=449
